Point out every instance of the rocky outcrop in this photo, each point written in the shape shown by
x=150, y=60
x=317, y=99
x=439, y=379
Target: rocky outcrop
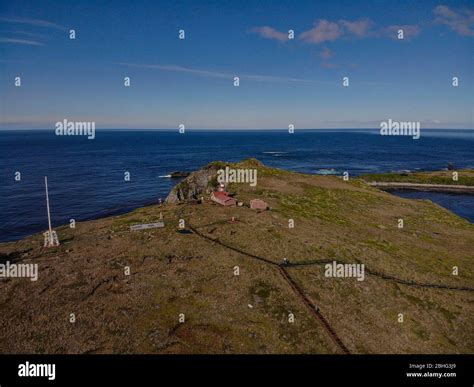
x=197, y=184
x=204, y=181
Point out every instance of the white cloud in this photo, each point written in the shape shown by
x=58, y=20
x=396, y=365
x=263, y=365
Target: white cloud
x=32, y=22
x=323, y=31
x=270, y=33
x=218, y=74
x=327, y=31
x=21, y=41
x=460, y=21
x=359, y=28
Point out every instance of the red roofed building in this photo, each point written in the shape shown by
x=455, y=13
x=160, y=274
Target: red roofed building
x=223, y=198
x=257, y=204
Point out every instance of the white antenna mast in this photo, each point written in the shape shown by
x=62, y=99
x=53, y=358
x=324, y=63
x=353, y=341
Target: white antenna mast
x=47, y=203
x=50, y=236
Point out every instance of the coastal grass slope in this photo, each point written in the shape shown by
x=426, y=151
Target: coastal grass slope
x=407, y=271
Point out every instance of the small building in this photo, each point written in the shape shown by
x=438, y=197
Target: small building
x=223, y=198
x=258, y=204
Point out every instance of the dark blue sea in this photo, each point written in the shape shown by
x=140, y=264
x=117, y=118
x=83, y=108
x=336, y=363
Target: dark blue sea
x=86, y=177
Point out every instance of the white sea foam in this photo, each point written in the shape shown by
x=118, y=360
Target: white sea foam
x=324, y=171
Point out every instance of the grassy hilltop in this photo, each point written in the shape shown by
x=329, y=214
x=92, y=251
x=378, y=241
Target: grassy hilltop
x=407, y=271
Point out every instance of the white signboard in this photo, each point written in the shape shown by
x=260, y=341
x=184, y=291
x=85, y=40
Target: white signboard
x=145, y=226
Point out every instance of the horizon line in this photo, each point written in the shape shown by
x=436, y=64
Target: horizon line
x=222, y=129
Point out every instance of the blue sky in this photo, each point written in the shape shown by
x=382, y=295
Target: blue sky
x=282, y=81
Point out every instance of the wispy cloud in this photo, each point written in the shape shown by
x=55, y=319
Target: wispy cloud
x=327, y=31
x=359, y=28
x=270, y=33
x=460, y=21
x=32, y=22
x=323, y=31
x=21, y=41
x=180, y=69
x=326, y=53
x=34, y=35
x=223, y=75
x=28, y=38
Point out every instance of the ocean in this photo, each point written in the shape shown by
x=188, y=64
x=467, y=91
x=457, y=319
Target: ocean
x=86, y=177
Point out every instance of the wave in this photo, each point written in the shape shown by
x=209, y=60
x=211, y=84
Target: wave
x=326, y=171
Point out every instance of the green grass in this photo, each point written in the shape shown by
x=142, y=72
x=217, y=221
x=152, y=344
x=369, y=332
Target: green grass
x=317, y=205
x=465, y=177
